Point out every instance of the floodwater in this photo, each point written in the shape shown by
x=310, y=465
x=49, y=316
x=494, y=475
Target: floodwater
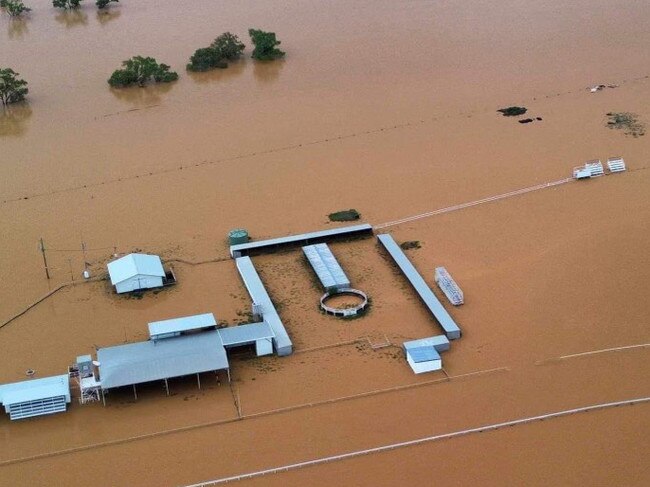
x=387, y=107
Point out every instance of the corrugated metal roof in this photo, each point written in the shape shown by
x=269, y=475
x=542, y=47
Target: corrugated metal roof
x=243, y=334
x=35, y=389
x=135, y=363
x=179, y=325
x=236, y=250
x=423, y=354
x=446, y=321
x=255, y=287
x=326, y=266
x=133, y=265
x=439, y=342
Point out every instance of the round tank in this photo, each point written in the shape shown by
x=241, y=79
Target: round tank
x=238, y=236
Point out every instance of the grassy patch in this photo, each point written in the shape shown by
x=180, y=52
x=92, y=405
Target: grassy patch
x=410, y=244
x=345, y=215
x=627, y=122
x=512, y=111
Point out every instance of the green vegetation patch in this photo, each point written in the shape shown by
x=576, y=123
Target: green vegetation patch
x=14, y=7
x=627, y=122
x=265, y=45
x=12, y=88
x=411, y=244
x=345, y=215
x=513, y=111
x=141, y=70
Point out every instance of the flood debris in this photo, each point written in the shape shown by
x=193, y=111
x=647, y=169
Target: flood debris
x=597, y=88
x=345, y=215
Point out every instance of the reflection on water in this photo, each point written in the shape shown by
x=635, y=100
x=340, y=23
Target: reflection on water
x=13, y=119
x=149, y=95
x=72, y=18
x=17, y=28
x=234, y=69
x=104, y=16
x=267, y=71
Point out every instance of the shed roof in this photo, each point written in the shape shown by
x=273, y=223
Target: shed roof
x=242, y=334
x=260, y=297
x=423, y=354
x=34, y=389
x=326, y=266
x=139, y=362
x=240, y=249
x=179, y=325
x=133, y=265
x=437, y=309
x=439, y=342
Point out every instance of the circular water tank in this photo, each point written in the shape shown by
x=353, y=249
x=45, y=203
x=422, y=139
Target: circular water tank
x=238, y=236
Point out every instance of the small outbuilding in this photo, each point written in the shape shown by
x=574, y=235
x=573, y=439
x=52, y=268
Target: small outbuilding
x=36, y=397
x=134, y=272
x=424, y=355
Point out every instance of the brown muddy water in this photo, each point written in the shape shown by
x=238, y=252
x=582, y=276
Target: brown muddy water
x=388, y=107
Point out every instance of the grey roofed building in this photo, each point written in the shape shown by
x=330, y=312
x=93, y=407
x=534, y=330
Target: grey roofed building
x=439, y=342
x=36, y=397
x=423, y=354
x=303, y=238
x=136, y=271
x=262, y=301
x=135, y=363
x=249, y=333
x=326, y=266
x=177, y=326
x=424, y=291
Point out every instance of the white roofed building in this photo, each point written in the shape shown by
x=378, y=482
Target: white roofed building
x=134, y=272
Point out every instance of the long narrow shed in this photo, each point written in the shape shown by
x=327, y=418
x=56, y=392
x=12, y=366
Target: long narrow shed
x=329, y=271
x=36, y=397
x=262, y=302
x=424, y=291
x=178, y=326
x=301, y=239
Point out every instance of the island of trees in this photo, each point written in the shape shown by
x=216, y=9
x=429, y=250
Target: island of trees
x=12, y=88
x=14, y=8
x=141, y=70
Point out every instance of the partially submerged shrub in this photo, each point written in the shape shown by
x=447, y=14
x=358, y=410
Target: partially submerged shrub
x=345, y=215
x=104, y=3
x=66, y=4
x=411, y=244
x=14, y=8
x=265, y=45
x=513, y=111
x=141, y=70
x=205, y=59
x=627, y=122
x=12, y=88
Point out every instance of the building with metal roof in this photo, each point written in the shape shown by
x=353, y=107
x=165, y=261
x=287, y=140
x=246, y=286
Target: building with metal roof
x=136, y=363
x=326, y=267
x=263, y=305
x=178, y=326
x=36, y=397
x=423, y=355
x=424, y=291
x=301, y=239
x=259, y=334
x=136, y=271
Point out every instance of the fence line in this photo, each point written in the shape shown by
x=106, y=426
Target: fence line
x=593, y=352
x=261, y=414
x=427, y=439
x=474, y=203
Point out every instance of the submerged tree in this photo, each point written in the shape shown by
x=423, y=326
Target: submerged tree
x=14, y=7
x=66, y=4
x=205, y=59
x=12, y=88
x=104, y=3
x=265, y=43
x=228, y=46
x=141, y=70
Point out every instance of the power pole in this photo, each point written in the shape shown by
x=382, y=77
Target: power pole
x=47, y=271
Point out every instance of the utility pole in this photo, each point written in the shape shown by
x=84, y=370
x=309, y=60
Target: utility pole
x=47, y=271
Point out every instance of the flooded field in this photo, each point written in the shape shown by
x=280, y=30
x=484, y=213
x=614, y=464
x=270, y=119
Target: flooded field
x=386, y=107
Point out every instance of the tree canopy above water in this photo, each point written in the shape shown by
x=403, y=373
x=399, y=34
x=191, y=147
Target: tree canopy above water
x=14, y=8
x=265, y=45
x=141, y=70
x=12, y=88
x=66, y=4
